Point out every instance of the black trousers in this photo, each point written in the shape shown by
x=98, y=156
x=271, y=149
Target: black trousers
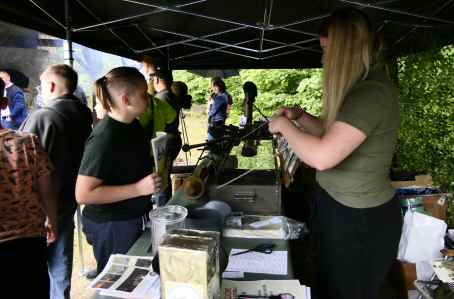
x=356, y=247
x=24, y=267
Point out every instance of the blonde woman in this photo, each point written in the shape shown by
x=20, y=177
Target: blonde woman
x=358, y=221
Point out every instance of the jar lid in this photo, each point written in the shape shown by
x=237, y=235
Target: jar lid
x=169, y=214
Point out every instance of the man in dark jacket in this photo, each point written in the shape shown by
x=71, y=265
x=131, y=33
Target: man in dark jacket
x=62, y=126
x=14, y=114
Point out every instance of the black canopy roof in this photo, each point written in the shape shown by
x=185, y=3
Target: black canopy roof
x=226, y=34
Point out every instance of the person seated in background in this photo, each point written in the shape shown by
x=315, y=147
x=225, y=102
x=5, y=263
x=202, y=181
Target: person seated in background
x=115, y=180
x=28, y=218
x=218, y=111
x=16, y=111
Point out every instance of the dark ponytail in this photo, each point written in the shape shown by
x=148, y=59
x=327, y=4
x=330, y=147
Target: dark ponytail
x=103, y=94
x=119, y=78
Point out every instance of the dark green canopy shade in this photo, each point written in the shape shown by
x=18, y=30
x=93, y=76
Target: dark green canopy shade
x=229, y=34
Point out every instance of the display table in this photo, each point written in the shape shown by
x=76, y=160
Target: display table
x=424, y=290
x=142, y=247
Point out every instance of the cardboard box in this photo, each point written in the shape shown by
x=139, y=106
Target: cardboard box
x=435, y=204
x=423, y=180
x=189, y=265
x=258, y=193
x=408, y=271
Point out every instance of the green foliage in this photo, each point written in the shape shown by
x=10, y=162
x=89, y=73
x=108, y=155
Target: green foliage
x=263, y=160
x=275, y=81
x=276, y=88
x=310, y=91
x=426, y=141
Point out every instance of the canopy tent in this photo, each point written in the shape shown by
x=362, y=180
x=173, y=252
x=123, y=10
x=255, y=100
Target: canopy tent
x=221, y=34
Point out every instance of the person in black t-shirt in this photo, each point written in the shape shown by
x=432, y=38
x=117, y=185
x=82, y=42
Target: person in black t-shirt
x=115, y=177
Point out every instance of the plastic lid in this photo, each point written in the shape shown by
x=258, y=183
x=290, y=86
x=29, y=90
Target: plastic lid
x=169, y=214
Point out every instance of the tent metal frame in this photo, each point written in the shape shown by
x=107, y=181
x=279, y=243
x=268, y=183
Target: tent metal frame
x=240, y=48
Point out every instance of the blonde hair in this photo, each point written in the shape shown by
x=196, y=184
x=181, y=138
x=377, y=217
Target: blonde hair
x=66, y=75
x=348, y=58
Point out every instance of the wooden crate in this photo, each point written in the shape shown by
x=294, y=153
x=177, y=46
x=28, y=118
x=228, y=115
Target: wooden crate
x=435, y=204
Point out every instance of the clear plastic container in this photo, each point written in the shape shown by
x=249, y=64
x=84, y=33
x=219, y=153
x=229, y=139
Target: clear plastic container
x=163, y=220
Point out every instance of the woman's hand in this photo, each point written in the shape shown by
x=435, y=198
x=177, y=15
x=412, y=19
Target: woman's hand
x=291, y=113
x=276, y=125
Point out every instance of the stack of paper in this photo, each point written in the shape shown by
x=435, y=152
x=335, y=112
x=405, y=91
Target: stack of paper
x=128, y=277
x=258, y=262
x=264, y=288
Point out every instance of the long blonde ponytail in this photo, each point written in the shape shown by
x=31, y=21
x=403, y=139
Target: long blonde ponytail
x=348, y=57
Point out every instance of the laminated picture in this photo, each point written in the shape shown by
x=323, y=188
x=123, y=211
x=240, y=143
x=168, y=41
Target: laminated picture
x=134, y=279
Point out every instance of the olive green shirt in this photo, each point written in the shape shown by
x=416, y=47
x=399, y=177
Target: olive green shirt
x=362, y=179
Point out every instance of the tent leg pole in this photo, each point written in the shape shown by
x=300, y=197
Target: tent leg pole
x=71, y=63
x=83, y=271
x=69, y=29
